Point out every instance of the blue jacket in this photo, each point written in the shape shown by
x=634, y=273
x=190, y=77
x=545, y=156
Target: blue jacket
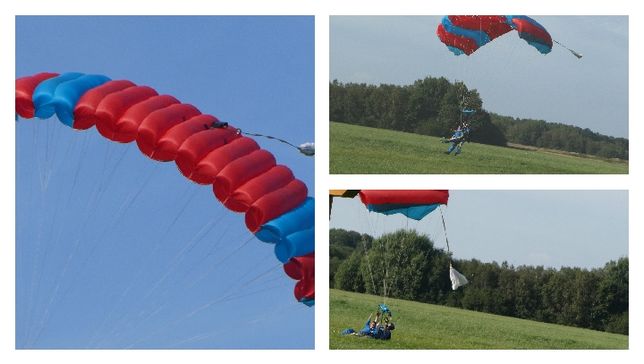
x=366, y=330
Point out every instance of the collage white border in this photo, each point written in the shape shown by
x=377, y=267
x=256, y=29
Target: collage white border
x=322, y=9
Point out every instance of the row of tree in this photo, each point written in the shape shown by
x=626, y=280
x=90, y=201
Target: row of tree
x=408, y=266
x=542, y=134
x=432, y=106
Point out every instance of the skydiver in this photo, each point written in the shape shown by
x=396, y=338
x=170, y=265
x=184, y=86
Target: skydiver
x=458, y=139
x=370, y=327
x=379, y=328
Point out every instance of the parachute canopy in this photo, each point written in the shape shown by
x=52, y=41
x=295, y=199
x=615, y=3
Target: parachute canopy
x=415, y=204
x=244, y=177
x=464, y=34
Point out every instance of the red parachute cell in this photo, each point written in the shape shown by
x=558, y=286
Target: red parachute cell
x=195, y=139
x=275, y=203
x=208, y=167
x=302, y=269
x=25, y=87
x=155, y=125
x=126, y=128
x=243, y=197
x=240, y=171
x=114, y=105
x=85, y=110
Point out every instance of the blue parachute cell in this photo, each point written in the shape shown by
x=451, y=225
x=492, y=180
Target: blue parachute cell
x=45, y=93
x=300, y=218
x=294, y=245
x=67, y=94
x=412, y=212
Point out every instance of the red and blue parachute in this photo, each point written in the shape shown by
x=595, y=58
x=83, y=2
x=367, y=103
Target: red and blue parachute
x=415, y=204
x=245, y=178
x=464, y=34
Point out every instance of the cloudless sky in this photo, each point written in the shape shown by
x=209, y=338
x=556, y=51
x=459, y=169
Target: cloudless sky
x=549, y=228
x=116, y=250
x=511, y=76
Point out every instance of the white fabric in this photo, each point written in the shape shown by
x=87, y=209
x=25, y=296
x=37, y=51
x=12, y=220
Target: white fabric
x=457, y=278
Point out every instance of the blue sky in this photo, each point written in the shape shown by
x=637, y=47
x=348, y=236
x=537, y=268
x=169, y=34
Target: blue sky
x=116, y=250
x=512, y=77
x=536, y=227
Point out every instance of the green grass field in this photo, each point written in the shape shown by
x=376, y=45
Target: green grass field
x=357, y=149
x=425, y=326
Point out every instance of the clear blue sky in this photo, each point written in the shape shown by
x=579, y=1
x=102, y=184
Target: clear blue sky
x=512, y=77
x=549, y=228
x=116, y=250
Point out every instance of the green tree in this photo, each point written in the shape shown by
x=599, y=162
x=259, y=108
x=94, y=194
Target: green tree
x=348, y=275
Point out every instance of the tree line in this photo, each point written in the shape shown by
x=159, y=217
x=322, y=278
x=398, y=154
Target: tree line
x=432, y=106
x=543, y=134
x=407, y=265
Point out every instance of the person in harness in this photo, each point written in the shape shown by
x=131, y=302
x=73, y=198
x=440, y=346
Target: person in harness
x=461, y=134
x=378, y=328
x=458, y=139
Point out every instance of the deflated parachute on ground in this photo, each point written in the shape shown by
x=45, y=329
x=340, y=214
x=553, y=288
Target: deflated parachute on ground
x=464, y=34
x=245, y=178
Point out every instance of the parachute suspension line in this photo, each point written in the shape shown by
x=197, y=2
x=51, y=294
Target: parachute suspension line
x=195, y=240
x=385, y=276
x=106, y=180
x=399, y=262
x=231, y=291
x=83, y=152
x=147, y=317
x=188, y=273
x=127, y=203
x=41, y=249
x=372, y=228
x=462, y=104
x=180, y=256
x=576, y=54
x=222, y=260
x=207, y=305
x=95, y=198
x=369, y=269
x=213, y=247
x=46, y=170
x=165, y=302
x=139, y=274
x=444, y=228
x=373, y=282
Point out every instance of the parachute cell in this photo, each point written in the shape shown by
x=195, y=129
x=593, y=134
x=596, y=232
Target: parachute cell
x=245, y=177
x=302, y=269
x=25, y=87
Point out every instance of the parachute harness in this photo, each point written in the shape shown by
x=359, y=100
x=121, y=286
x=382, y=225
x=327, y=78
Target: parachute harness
x=308, y=149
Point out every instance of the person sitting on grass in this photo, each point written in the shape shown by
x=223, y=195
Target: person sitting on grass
x=374, y=329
